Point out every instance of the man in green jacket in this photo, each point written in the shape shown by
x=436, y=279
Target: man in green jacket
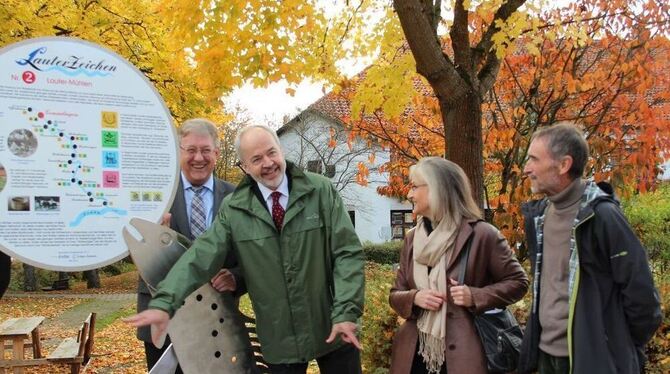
x=298, y=252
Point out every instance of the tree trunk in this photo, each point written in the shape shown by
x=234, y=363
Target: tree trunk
x=459, y=84
x=92, y=278
x=463, y=129
x=29, y=278
x=63, y=276
x=458, y=93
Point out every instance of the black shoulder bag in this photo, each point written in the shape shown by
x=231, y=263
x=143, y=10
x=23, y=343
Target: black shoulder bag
x=498, y=330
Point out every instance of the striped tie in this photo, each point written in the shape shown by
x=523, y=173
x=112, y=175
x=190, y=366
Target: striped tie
x=198, y=224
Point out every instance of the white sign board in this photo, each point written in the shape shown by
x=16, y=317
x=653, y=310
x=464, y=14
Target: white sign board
x=86, y=143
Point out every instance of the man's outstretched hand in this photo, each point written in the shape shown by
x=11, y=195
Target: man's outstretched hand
x=347, y=331
x=158, y=319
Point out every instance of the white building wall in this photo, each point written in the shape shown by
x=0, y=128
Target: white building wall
x=372, y=211
x=665, y=171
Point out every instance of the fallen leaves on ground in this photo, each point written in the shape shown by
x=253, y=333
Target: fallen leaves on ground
x=14, y=307
x=117, y=350
x=122, y=283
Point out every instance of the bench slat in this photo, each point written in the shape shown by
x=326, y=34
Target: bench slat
x=67, y=349
x=9, y=364
x=76, y=351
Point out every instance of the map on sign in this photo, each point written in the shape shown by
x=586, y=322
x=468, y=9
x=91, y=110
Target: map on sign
x=86, y=143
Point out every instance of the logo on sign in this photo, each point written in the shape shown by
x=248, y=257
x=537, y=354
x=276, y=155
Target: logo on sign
x=70, y=65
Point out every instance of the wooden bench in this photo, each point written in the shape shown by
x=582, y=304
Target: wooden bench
x=76, y=352
x=18, y=331
x=250, y=325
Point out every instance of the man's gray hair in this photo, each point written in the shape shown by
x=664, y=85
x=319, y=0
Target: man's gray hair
x=246, y=129
x=449, y=193
x=565, y=139
x=200, y=126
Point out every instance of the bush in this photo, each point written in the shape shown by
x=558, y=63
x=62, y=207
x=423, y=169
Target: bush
x=379, y=321
x=123, y=266
x=45, y=278
x=658, y=349
x=387, y=253
x=649, y=215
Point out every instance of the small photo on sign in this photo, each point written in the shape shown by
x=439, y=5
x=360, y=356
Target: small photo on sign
x=18, y=203
x=3, y=177
x=158, y=196
x=134, y=196
x=22, y=142
x=47, y=203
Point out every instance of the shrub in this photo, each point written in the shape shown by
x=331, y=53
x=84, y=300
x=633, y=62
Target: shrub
x=45, y=278
x=379, y=321
x=122, y=266
x=649, y=215
x=658, y=349
x=387, y=253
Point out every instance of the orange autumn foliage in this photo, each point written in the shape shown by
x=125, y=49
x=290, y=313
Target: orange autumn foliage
x=611, y=79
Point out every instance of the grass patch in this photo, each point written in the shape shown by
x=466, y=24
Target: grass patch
x=102, y=323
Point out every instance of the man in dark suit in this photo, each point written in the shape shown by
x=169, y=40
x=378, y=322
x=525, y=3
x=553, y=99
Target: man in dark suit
x=195, y=204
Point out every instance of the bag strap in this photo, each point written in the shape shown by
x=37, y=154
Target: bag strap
x=463, y=261
x=466, y=253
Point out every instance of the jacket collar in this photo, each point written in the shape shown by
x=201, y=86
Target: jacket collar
x=592, y=196
x=594, y=193
x=464, y=231
x=534, y=208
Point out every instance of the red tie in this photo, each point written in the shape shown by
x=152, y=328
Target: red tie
x=277, y=210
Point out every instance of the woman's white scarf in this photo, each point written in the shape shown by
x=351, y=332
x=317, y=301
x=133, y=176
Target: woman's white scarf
x=433, y=251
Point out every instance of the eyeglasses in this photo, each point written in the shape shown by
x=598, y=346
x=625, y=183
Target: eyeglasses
x=192, y=151
x=414, y=187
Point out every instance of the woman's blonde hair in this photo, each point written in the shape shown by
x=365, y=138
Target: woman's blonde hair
x=449, y=192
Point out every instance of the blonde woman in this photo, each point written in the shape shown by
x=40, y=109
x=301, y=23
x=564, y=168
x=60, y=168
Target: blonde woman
x=438, y=334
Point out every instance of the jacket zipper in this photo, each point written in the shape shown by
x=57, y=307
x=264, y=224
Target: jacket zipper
x=573, y=296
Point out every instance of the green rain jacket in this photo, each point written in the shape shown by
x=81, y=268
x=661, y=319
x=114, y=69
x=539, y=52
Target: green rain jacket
x=301, y=280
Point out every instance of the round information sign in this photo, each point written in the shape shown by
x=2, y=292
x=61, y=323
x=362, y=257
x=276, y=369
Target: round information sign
x=86, y=143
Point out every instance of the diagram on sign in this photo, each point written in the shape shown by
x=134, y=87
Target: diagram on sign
x=77, y=172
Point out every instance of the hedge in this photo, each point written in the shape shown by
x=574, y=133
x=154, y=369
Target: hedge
x=387, y=253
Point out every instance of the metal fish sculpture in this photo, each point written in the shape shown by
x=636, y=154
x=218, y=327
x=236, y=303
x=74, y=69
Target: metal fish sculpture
x=208, y=332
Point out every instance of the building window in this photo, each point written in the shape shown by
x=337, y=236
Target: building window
x=352, y=217
x=401, y=222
